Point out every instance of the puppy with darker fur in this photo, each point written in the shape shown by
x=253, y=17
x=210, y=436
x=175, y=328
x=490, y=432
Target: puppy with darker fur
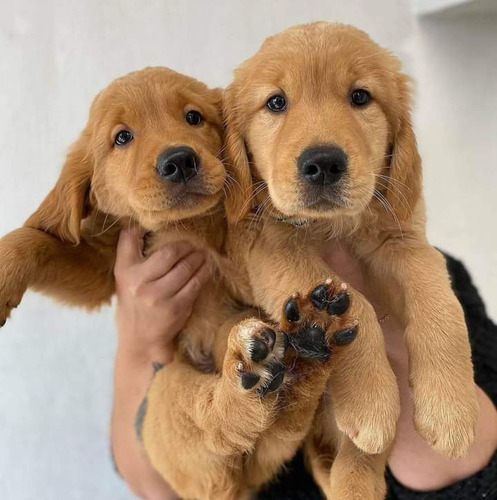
x=239, y=396
x=319, y=134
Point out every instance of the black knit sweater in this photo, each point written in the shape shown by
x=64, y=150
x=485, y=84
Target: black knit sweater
x=294, y=483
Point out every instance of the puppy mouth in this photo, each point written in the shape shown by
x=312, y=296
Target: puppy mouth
x=321, y=201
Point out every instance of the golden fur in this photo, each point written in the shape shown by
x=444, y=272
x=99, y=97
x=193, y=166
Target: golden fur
x=379, y=216
x=209, y=433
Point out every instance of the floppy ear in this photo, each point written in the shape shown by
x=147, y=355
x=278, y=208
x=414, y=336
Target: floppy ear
x=240, y=187
x=404, y=189
x=61, y=212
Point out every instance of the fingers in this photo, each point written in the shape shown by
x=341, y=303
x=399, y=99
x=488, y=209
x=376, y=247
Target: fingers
x=161, y=262
x=192, y=288
x=179, y=276
x=129, y=247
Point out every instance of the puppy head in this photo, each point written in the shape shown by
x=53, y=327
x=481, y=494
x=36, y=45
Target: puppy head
x=323, y=112
x=148, y=152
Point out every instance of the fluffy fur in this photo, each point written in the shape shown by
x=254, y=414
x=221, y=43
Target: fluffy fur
x=236, y=402
x=378, y=214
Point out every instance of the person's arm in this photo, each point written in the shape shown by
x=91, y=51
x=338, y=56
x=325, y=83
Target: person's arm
x=155, y=299
x=412, y=461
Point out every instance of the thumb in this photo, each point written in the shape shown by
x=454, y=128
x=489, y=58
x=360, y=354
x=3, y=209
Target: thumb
x=130, y=246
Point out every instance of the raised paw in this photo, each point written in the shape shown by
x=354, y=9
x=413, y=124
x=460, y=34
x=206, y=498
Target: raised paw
x=319, y=321
x=258, y=352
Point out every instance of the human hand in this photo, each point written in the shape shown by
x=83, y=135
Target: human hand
x=155, y=294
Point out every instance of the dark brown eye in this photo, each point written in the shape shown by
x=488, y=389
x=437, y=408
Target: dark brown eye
x=276, y=103
x=360, y=97
x=194, y=118
x=123, y=137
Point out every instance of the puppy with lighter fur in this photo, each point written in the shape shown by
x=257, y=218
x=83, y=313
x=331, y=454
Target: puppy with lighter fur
x=319, y=135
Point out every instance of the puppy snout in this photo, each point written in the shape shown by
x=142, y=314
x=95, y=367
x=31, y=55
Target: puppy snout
x=322, y=165
x=178, y=164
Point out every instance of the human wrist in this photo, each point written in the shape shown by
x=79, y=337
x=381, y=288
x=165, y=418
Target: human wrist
x=136, y=352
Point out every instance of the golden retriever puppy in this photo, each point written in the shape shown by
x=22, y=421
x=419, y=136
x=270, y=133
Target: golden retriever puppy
x=319, y=134
x=237, y=401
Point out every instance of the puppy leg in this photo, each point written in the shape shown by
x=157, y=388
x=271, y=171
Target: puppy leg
x=312, y=332
x=197, y=427
x=342, y=470
x=30, y=258
x=365, y=395
x=440, y=369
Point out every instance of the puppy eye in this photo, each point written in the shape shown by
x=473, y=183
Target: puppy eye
x=123, y=137
x=276, y=103
x=360, y=97
x=194, y=118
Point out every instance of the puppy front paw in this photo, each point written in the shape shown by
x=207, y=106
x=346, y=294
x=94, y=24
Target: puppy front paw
x=322, y=326
x=257, y=352
x=319, y=321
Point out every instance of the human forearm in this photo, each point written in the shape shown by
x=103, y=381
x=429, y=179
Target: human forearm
x=155, y=298
x=133, y=372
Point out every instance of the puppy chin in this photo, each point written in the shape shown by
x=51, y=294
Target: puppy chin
x=175, y=210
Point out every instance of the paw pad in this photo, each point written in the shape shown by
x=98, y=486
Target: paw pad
x=318, y=321
x=260, y=352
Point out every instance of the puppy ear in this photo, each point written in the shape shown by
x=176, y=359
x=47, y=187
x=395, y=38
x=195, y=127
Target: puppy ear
x=62, y=211
x=404, y=188
x=240, y=184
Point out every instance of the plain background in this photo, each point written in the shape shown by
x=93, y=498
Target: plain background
x=56, y=363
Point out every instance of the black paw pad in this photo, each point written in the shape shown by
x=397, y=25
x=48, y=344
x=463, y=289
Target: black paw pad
x=268, y=335
x=345, y=337
x=249, y=379
x=291, y=310
x=258, y=350
x=311, y=343
x=277, y=371
x=319, y=296
x=339, y=304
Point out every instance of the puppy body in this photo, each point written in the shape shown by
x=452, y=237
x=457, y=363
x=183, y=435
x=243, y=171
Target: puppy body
x=235, y=403
x=319, y=132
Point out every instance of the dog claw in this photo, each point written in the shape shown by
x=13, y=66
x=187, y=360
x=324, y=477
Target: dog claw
x=2, y=322
x=339, y=304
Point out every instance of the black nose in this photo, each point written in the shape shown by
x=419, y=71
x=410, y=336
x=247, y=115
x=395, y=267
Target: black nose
x=178, y=164
x=322, y=165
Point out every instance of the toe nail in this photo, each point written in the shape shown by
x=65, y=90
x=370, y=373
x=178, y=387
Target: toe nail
x=344, y=337
x=319, y=296
x=258, y=350
x=2, y=322
x=249, y=379
x=291, y=310
x=339, y=304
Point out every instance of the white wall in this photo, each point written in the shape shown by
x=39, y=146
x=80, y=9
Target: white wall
x=455, y=65
x=55, y=363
